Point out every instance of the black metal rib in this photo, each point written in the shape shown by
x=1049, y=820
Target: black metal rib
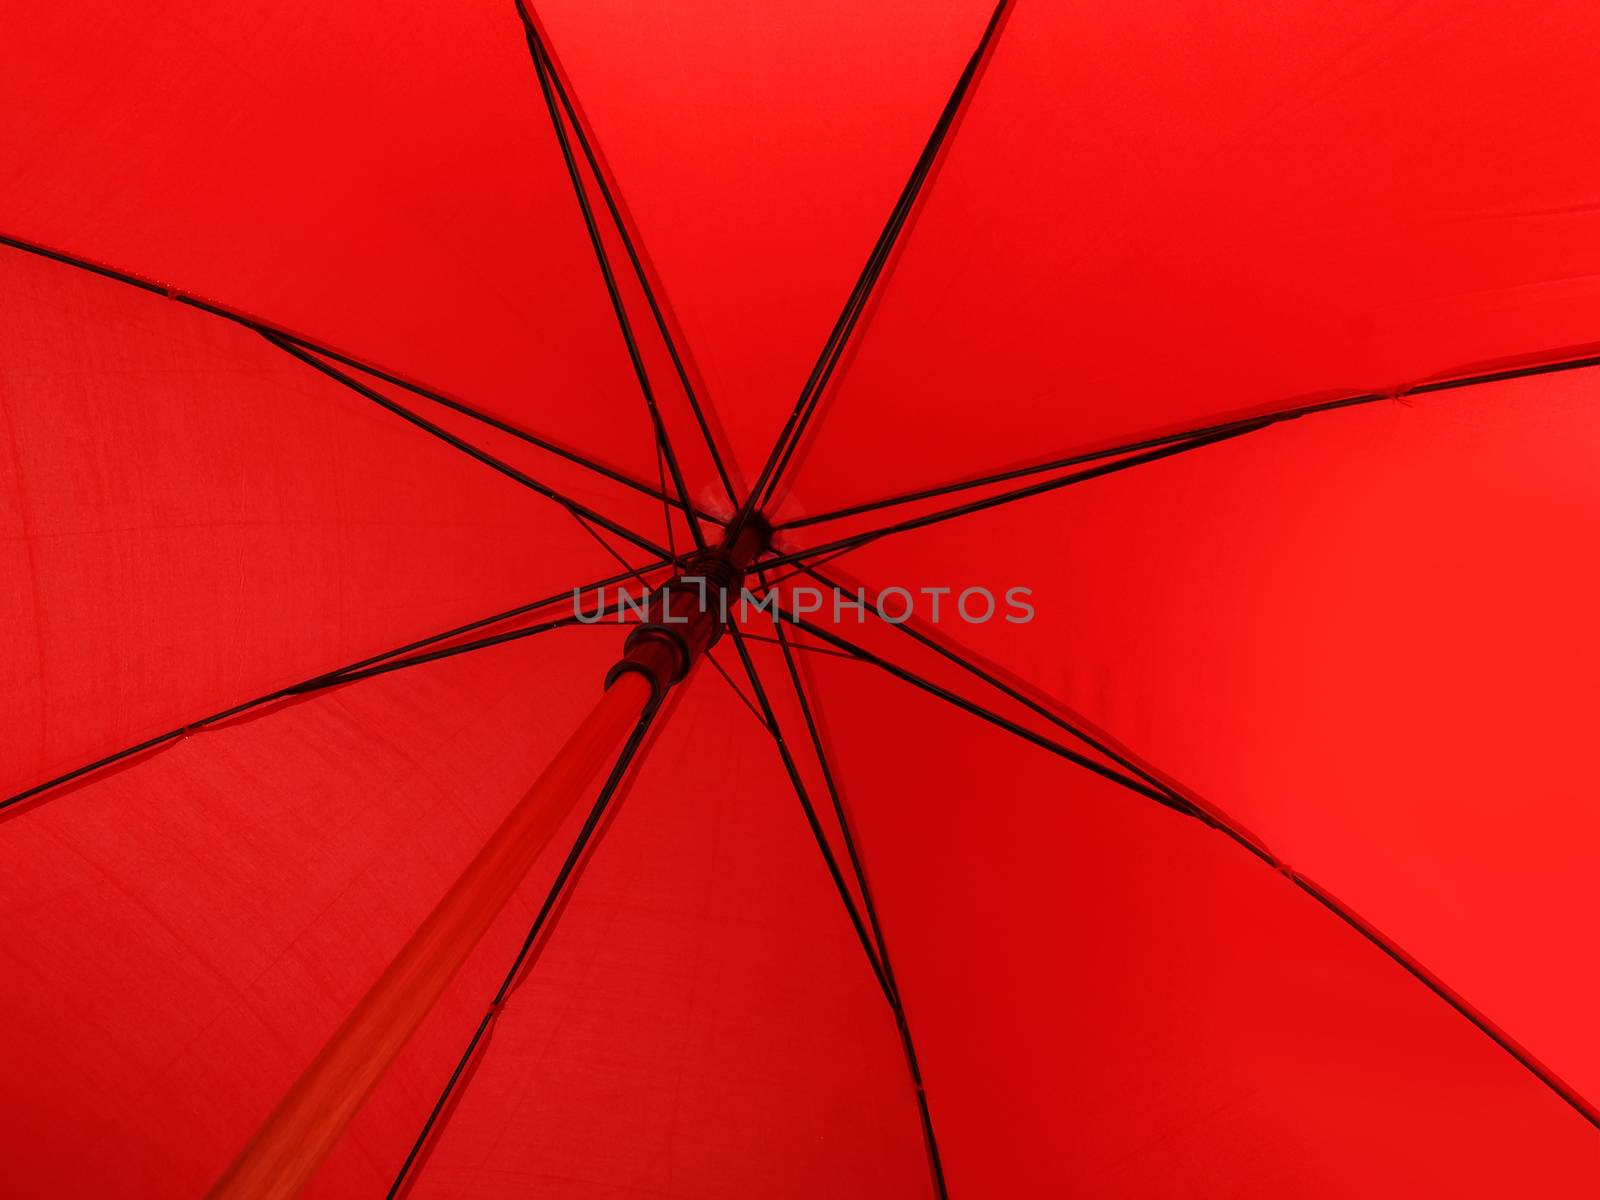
x=855, y=541
x=575, y=855
x=931, y=1143
x=1019, y=696
x=1147, y=451
x=288, y=347
x=932, y=493
x=1214, y=820
x=544, y=71
x=644, y=279
x=828, y=858
x=672, y=553
x=808, y=563
x=1245, y=424
x=737, y=690
x=1391, y=949
x=756, y=637
x=325, y=679
x=666, y=509
x=574, y=507
x=504, y=426
x=857, y=303
x=255, y=325
x=1160, y=796
x=483, y=643
x=833, y=348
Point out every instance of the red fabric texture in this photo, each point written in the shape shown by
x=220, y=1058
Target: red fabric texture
x=1364, y=637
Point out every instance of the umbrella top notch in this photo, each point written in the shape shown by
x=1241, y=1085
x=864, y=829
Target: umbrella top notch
x=688, y=614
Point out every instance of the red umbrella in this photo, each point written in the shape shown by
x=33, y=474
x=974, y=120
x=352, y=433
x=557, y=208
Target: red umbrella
x=1147, y=452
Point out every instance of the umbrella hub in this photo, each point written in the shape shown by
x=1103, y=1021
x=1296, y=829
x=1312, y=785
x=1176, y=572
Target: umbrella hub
x=688, y=614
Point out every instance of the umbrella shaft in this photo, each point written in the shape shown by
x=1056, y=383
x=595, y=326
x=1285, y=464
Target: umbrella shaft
x=300, y=1132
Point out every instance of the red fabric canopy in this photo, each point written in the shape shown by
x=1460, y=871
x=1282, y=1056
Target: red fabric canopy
x=1261, y=861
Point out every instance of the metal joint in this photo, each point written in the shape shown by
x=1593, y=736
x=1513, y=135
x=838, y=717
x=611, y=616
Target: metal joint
x=687, y=615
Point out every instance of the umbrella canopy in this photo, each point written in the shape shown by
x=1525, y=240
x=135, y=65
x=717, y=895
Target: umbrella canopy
x=346, y=348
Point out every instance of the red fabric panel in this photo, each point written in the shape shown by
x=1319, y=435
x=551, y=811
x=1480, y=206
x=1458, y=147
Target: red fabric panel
x=181, y=936
x=759, y=147
x=1367, y=635
x=378, y=179
x=190, y=518
x=1111, y=1000
x=703, y=1023
x=291, y=1145
x=1156, y=213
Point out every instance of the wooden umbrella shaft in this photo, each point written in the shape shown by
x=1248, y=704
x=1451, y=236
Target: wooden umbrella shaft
x=688, y=614
x=302, y=1129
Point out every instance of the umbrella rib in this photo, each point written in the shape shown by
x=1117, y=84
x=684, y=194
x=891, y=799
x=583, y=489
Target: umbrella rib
x=339, y=679
x=871, y=506
x=756, y=637
x=572, y=506
x=737, y=690
x=325, y=679
x=672, y=551
x=644, y=279
x=1160, y=796
x=828, y=857
x=256, y=325
x=807, y=562
x=504, y=426
x=570, y=865
x=855, y=541
x=1244, y=425
x=935, y=1164
x=1219, y=822
x=1022, y=698
x=666, y=510
x=794, y=427
x=1391, y=949
x=544, y=71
